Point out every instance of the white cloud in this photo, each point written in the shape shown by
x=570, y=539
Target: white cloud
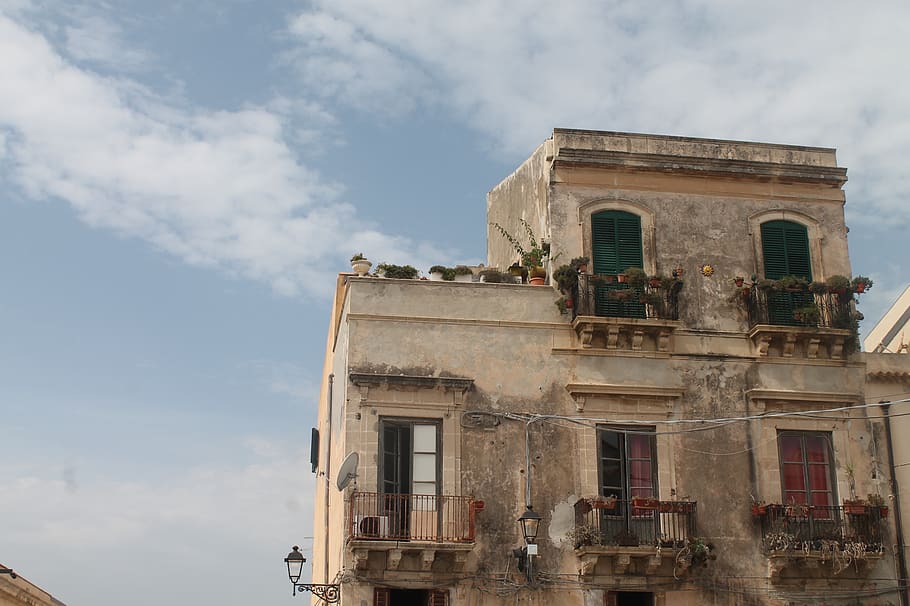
x=807, y=74
x=200, y=519
x=216, y=188
x=94, y=39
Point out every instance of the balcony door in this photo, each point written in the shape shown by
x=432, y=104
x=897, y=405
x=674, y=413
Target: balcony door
x=628, y=469
x=408, y=474
x=616, y=244
x=785, y=251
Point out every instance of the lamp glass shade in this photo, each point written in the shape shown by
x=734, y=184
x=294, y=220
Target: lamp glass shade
x=530, y=524
x=295, y=562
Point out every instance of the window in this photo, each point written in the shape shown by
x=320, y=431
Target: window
x=805, y=462
x=408, y=478
x=627, y=463
x=409, y=462
x=616, y=246
x=785, y=251
x=628, y=469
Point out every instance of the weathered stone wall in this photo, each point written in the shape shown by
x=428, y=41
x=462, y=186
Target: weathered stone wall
x=521, y=355
x=521, y=195
x=701, y=203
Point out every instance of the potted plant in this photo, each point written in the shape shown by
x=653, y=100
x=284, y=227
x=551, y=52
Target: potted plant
x=645, y=503
x=601, y=502
x=579, y=264
x=636, y=277
x=861, y=284
x=677, y=507
x=797, y=510
x=838, y=284
x=463, y=273
x=767, y=284
x=532, y=256
x=856, y=507
x=583, y=534
x=808, y=314
x=360, y=265
x=437, y=272
x=759, y=509
x=494, y=276
x=877, y=502
x=564, y=305
x=793, y=283
x=818, y=288
x=401, y=272
x=566, y=277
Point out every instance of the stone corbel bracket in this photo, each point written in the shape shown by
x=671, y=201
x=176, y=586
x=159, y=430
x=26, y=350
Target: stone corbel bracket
x=581, y=392
x=798, y=342
x=625, y=334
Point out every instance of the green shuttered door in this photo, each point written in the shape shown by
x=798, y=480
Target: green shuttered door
x=616, y=243
x=785, y=249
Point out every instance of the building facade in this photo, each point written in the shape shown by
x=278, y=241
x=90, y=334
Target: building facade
x=695, y=434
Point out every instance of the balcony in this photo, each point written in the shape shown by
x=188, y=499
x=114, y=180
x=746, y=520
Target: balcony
x=413, y=531
x=612, y=315
x=798, y=323
x=843, y=537
x=631, y=537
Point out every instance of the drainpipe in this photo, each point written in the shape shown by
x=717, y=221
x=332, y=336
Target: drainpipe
x=327, y=476
x=898, y=526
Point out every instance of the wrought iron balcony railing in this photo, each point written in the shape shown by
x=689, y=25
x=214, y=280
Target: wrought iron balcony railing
x=412, y=517
x=603, y=295
x=802, y=528
x=646, y=522
x=799, y=307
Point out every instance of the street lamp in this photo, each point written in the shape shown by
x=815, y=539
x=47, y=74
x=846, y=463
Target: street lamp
x=8, y=571
x=295, y=560
x=530, y=525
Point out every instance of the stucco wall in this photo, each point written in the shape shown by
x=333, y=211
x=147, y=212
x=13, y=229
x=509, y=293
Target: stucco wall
x=511, y=341
x=701, y=203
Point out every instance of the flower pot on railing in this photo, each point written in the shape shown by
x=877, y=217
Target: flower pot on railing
x=676, y=507
x=856, y=508
x=645, y=503
x=797, y=510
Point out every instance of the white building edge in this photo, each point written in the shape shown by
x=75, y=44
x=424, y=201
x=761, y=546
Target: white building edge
x=892, y=333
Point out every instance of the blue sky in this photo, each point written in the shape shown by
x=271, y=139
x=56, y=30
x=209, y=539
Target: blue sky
x=180, y=182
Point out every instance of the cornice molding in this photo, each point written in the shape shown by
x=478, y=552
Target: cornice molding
x=740, y=169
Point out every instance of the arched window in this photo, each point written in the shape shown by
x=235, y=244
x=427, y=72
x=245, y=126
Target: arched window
x=785, y=250
x=616, y=241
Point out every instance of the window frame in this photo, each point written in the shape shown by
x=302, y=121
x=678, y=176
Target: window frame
x=623, y=432
x=831, y=476
x=410, y=422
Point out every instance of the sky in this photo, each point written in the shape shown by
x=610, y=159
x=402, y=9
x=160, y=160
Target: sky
x=180, y=182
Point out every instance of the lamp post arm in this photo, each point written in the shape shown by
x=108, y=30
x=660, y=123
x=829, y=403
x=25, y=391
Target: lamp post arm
x=327, y=593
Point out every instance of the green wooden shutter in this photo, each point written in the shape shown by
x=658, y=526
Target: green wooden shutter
x=616, y=241
x=785, y=250
x=616, y=244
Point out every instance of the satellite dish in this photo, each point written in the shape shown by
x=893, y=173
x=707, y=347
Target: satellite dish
x=348, y=471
